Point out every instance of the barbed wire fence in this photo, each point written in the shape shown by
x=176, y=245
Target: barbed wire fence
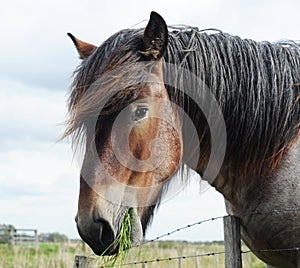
x=232, y=244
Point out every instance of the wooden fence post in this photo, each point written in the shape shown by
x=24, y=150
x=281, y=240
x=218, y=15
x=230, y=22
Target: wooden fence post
x=85, y=262
x=232, y=239
x=197, y=260
x=12, y=236
x=179, y=262
x=36, y=240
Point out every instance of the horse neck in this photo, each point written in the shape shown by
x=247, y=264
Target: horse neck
x=264, y=192
x=257, y=88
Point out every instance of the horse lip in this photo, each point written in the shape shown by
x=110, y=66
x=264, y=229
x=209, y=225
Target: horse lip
x=104, y=251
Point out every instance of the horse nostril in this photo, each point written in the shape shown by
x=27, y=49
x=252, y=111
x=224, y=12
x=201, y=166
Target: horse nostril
x=106, y=234
x=105, y=231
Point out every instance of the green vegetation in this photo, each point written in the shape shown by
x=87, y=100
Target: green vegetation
x=49, y=255
x=5, y=232
x=123, y=242
x=53, y=237
x=56, y=255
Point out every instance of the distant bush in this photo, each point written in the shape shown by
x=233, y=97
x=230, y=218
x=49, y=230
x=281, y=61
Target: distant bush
x=5, y=233
x=53, y=237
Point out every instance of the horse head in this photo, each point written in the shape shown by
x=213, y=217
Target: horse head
x=133, y=142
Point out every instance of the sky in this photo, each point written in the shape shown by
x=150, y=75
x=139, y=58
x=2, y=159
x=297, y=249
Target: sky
x=39, y=177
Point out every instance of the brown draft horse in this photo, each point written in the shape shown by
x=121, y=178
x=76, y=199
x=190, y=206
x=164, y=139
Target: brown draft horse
x=145, y=101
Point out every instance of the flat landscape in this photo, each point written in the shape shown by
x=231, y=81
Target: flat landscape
x=62, y=255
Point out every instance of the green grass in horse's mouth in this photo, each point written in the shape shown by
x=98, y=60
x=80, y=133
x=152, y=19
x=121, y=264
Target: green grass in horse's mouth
x=123, y=241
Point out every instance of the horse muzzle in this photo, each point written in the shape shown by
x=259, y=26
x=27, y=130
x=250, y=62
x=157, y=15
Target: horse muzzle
x=101, y=234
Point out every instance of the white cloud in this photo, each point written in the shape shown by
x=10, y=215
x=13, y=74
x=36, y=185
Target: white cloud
x=28, y=113
x=259, y=20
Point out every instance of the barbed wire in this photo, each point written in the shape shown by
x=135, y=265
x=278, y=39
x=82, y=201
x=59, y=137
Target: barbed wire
x=174, y=258
x=180, y=229
x=207, y=255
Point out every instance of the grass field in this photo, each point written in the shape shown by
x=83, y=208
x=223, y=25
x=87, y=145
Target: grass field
x=62, y=255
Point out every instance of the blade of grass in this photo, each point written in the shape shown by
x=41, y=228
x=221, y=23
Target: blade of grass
x=122, y=242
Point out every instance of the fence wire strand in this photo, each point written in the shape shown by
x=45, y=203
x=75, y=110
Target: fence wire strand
x=179, y=229
x=174, y=258
x=205, y=255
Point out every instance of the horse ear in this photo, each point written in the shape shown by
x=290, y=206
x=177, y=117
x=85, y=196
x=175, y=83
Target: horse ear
x=84, y=49
x=155, y=37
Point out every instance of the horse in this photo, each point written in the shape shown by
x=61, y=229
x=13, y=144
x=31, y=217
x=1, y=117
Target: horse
x=144, y=102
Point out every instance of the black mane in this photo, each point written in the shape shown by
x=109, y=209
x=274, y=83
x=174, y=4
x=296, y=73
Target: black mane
x=257, y=85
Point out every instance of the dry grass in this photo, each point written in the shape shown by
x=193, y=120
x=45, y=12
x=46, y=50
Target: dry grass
x=166, y=249
x=62, y=256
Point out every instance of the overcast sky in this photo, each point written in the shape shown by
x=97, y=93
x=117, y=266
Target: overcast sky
x=39, y=180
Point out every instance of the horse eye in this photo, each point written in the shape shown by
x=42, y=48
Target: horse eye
x=140, y=113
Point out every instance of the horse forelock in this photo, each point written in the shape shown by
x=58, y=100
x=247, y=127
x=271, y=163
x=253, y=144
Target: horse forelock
x=95, y=79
